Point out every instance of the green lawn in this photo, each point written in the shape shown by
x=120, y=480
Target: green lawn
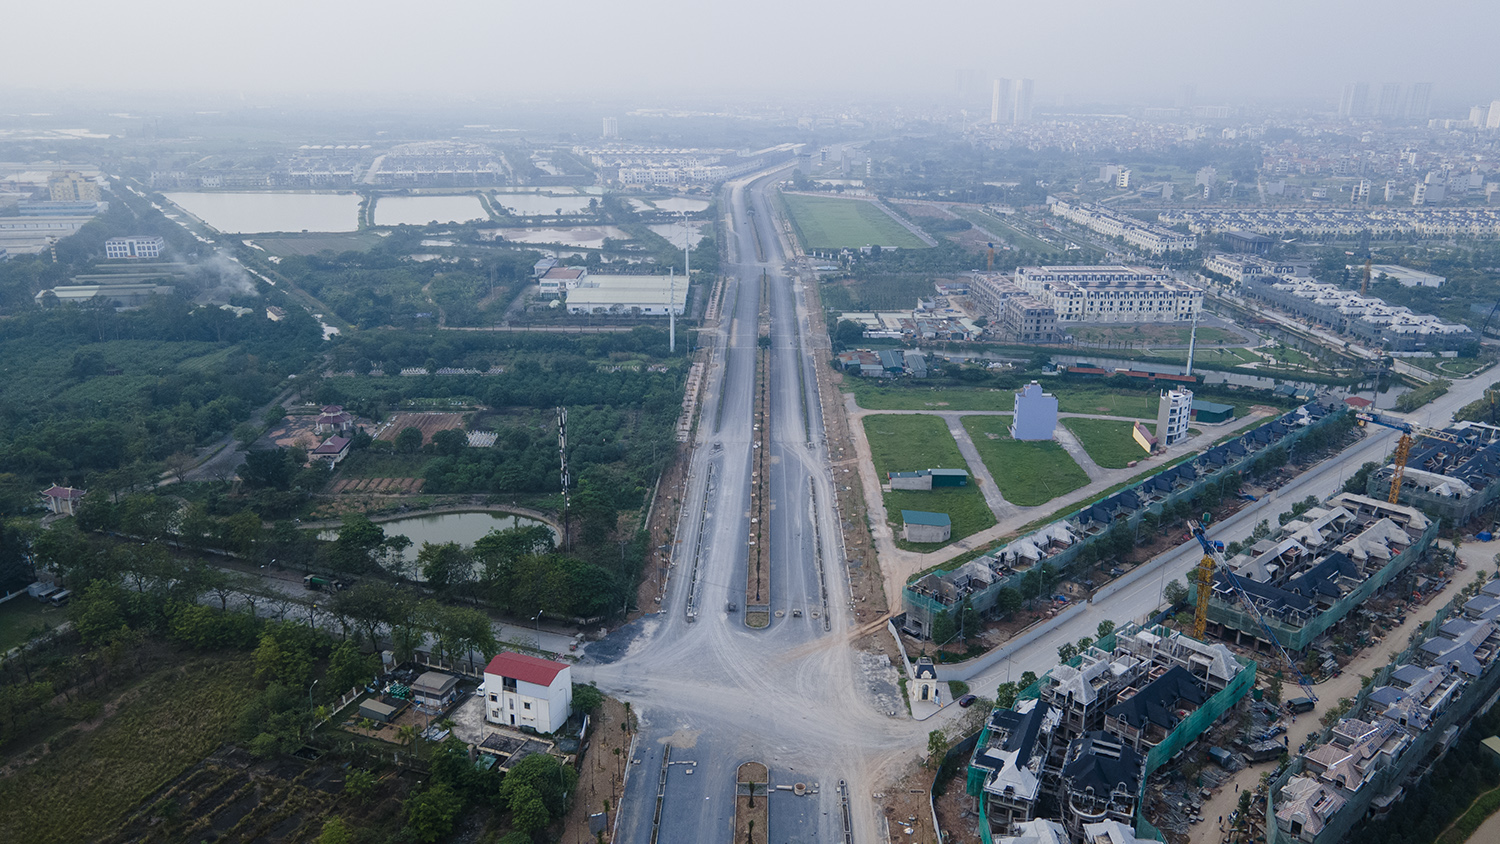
x=1028, y=473
x=909, y=443
x=22, y=615
x=1107, y=402
x=1109, y=443
x=84, y=787
x=1013, y=235
x=829, y=223
x=874, y=396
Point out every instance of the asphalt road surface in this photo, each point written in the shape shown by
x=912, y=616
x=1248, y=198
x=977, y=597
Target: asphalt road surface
x=716, y=691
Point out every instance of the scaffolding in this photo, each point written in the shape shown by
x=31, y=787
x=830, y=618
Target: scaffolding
x=1297, y=639
x=1387, y=779
x=1186, y=732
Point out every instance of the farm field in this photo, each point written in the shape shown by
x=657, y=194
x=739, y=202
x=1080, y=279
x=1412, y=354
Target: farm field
x=1108, y=443
x=1028, y=473
x=390, y=486
x=147, y=741
x=427, y=423
x=828, y=223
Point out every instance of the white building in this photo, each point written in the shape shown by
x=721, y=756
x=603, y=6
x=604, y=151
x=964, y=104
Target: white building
x=556, y=281
x=1111, y=294
x=526, y=691
x=1237, y=268
x=646, y=295
x=1035, y=414
x=1172, y=417
x=134, y=247
x=611, y=127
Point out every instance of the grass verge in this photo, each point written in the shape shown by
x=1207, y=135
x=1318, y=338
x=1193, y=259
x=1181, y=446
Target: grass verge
x=1109, y=443
x=1479, y=811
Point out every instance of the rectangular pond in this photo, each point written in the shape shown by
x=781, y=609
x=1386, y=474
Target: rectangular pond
x=254, y=213
x=421, y=210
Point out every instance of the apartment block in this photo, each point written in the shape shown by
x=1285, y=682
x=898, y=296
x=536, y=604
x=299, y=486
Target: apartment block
x=1110, y=294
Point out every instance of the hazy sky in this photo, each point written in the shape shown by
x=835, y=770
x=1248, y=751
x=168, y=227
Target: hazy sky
x=652, y=49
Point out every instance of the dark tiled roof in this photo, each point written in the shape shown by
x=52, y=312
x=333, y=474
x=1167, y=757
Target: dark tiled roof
x=1157, y=701
x=1099, y=761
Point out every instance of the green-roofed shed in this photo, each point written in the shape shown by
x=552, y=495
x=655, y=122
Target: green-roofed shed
x=949, y=477
x=921, y=526
x=1210, y=413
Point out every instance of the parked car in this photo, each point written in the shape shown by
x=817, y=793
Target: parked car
x=1300, y=704
x=967, y=700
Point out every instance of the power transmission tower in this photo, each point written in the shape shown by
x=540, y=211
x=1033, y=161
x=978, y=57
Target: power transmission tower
x=564, y=476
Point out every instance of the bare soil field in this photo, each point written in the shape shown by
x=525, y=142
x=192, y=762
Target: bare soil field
x=427, y=423
x=390, y=486
x=294, y=432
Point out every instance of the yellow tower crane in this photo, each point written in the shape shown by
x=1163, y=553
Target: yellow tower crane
x=1204, y=574
x=1409, y=434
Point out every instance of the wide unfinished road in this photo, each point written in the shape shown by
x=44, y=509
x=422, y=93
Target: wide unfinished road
x=713, y=691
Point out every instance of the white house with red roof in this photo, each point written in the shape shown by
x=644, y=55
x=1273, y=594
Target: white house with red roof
x=527, y=691
x=62, y=500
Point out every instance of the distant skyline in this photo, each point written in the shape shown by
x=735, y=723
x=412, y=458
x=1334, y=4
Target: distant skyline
x=1083, y=50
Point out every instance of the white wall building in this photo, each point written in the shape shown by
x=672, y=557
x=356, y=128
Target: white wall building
x=134, y=247
x=1138, y=233
x=648, y=295
x=527, y=691
x=1172, y=417
x=1111, y=294
x=1036, y=414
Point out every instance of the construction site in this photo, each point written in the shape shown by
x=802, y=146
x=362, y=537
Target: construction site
x=1071, y=761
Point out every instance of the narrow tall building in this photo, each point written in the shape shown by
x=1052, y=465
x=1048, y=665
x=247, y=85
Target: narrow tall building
x=1354, y=100
x=1390, y=100
x=1021, y=101
x=1419, y=106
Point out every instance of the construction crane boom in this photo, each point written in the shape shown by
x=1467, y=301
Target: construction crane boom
x=1409, y=435
x=1204, y=574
